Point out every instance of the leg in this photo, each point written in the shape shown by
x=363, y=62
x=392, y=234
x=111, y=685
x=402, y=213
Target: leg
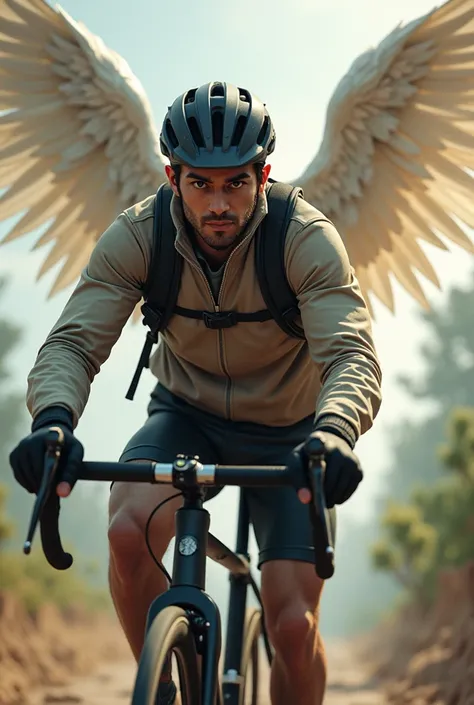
x=291, y=592
x=134, y=578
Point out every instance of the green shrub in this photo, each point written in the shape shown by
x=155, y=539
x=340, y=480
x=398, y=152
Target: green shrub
x=35, y=582
x=436, y=529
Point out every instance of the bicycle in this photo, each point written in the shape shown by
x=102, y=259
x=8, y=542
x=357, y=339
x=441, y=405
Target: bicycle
x=185, y=620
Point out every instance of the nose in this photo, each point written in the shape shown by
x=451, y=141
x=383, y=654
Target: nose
x=218, y=203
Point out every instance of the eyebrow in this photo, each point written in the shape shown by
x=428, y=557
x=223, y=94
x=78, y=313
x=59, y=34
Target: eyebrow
x=198, y=177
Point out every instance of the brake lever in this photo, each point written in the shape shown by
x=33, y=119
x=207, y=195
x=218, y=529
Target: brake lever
x=54, y=445
x=323, y=538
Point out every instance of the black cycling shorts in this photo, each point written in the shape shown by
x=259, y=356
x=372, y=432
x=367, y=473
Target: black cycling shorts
x=280, y=521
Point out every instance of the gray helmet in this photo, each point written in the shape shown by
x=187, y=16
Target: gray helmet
x=216, y=126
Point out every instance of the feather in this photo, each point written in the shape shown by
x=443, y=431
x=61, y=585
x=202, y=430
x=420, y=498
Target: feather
x=76, y=114
x=412, y=98
x=394, y=168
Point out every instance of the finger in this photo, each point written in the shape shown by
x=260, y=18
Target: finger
x=16, y=462
x=34, y=462
x=63, y=489
x=28, y=468
x=296, y=468
x=315, y=445
x=354, y=484
x=331, y=482
x=304, y=495
x=72, y=465
x=345, y=489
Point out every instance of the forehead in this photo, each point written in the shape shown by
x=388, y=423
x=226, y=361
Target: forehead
x=219, y=176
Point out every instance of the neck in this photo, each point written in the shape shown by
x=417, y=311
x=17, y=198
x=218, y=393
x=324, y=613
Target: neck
x=215, y=258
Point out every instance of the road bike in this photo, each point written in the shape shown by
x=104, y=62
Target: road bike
x=185, y=620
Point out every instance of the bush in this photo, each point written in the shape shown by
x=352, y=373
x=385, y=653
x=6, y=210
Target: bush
x=35, y=582
x=436, y=529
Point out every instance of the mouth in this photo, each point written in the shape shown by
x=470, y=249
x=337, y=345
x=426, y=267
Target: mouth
x=220, y=224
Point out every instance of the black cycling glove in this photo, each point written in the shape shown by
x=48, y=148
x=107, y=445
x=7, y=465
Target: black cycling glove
x=343, y=472
x=27, y=459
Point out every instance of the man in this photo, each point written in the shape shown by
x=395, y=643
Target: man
x=244, y=394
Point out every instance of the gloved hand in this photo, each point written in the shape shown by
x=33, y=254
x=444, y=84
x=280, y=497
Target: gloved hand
x=343, y=472
x=27, y=459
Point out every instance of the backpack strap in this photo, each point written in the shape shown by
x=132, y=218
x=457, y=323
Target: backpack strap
x=163, y=280
x=164, y=277
x=280, y=299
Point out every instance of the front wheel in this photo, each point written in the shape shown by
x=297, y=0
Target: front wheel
x=170, y=631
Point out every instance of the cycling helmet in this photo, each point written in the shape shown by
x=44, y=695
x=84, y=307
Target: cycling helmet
x=217, y=125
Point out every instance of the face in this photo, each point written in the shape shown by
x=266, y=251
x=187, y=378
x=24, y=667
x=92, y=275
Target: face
x=218, y=203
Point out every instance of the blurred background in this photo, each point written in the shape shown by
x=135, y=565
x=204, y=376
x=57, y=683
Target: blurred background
x=413, y=514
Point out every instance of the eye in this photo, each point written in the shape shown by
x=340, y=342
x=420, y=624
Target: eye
x=197, y=185
x=234, y=185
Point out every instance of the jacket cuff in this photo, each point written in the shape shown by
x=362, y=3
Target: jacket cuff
x=53, y=415
x=339, y=426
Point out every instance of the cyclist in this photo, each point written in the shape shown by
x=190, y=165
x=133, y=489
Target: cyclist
x=246, y=394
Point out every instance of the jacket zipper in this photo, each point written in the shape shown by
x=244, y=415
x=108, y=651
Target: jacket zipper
x=220, y=331
x=220, y=337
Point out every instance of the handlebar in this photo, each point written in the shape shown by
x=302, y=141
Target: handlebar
x=186, y=473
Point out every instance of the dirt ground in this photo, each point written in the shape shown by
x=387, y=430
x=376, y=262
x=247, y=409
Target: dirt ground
x=349, y=684
x=415, y=660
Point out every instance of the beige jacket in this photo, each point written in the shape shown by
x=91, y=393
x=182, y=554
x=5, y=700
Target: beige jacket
x=251, y=372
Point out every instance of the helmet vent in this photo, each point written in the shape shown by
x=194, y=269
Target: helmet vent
x=263, y=131
x=239, y=130
x=217, y=90
x=217, y=127
x=195, y=131
x=190, y=96
x=171, y=134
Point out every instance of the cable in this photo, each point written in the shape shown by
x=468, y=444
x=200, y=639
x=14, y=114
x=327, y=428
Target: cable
x=158, y=563
x=266, y=640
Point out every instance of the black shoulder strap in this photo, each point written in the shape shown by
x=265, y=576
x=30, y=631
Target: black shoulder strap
x=164, y=276
x=163, y=281
x=280, y=299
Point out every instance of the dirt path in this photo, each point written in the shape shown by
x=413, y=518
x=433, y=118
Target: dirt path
x=348, y=679
x=112, y=684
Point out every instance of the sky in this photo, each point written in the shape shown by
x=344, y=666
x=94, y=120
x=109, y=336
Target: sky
x=291, y=55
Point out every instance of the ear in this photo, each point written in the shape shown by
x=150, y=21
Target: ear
x=265, y=174
x=172, y=179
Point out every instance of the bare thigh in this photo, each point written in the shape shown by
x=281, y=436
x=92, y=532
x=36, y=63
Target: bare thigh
x=165, y=433
x=130, y=507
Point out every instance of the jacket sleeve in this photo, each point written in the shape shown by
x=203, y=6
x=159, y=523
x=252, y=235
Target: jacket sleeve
x=337, y=326
x=81, y=340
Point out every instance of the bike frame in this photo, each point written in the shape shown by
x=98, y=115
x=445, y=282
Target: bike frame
x=194, y=543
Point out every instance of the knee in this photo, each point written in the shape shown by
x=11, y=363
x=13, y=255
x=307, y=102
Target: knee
x=293, y=629
x=130, y=511
x=127, y=544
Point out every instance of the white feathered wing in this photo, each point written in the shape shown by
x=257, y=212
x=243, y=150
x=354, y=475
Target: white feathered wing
x=399, y=139
x=78, y=143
